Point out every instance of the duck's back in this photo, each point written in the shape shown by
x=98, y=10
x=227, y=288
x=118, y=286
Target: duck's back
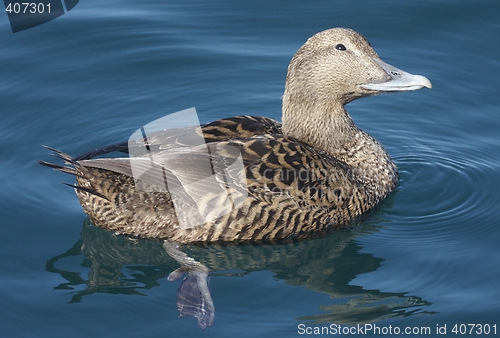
x=283, y=188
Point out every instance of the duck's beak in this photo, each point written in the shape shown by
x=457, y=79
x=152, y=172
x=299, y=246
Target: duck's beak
x=397, y=80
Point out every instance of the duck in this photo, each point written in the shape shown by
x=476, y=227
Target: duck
x=266, y=180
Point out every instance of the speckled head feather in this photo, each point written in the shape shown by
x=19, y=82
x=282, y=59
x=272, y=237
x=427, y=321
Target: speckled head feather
x=330, y=66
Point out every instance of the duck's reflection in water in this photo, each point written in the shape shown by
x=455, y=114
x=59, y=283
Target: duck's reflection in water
x=327, y=264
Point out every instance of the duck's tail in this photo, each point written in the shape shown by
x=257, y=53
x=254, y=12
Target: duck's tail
x=72, y=167
x=69, y=168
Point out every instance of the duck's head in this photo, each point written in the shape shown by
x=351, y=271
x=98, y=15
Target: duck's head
x=339, y=65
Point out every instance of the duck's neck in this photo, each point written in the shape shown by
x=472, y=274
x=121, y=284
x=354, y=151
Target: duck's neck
x=331, y=129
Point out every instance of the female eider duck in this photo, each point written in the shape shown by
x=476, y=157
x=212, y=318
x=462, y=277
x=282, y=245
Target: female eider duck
x=314, y=170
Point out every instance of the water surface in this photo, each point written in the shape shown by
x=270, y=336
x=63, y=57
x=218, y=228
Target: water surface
x=428, y=257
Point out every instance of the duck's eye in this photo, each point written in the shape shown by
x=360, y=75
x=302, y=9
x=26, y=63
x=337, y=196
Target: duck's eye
x=340, y=47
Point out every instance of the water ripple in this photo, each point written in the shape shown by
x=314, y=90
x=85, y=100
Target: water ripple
x=445, y=194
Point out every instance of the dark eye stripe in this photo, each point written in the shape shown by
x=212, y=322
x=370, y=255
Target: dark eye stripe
x=340, y=47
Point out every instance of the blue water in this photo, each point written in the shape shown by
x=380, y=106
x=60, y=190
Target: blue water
x=428, y=257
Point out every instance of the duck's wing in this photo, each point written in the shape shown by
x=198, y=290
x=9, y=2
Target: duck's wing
x=213, y=179
x=236, y=127
x=203, y=182
x=166, y=169
x=217, y=131
x=280, y=166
